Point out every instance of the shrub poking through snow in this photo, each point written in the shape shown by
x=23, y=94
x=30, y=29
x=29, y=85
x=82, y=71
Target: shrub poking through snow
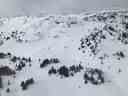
x=45, y=63
x=20, y=66
x=94, y=76
x=20, y=62
x=120, y=54
x=25, y=84
x=75, y=69
x=63, y=71
x=52, y=71
x=123, y=37
x=14, y=59
x=8, y=90
x=54, y=60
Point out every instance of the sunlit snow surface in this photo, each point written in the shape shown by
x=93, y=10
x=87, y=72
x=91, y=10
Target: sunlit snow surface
x=65, y=38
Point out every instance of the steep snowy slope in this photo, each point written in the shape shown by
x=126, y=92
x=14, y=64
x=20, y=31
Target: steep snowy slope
x=74, y=55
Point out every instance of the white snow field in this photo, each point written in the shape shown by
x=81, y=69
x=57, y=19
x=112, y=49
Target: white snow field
x=71, y=55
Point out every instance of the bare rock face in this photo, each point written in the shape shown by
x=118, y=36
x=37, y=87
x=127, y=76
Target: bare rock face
x=6, y=71
x=2, y=55
x=1, y=83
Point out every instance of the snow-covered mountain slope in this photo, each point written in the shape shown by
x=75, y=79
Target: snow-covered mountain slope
x=74, y=55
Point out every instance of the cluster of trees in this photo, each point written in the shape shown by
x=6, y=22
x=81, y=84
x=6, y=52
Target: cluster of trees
x=47, y=62
x=64, y=71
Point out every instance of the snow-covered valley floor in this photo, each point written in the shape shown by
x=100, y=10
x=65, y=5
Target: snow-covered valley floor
x=73, y=55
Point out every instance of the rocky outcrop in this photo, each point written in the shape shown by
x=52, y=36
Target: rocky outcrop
x=5, y=71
